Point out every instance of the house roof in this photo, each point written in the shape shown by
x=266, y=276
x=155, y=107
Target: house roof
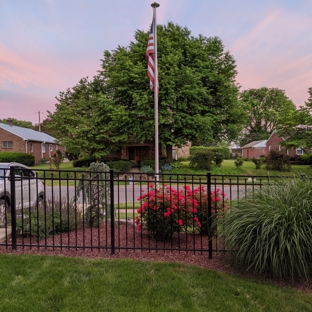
x=256, y=144
x=28, y=134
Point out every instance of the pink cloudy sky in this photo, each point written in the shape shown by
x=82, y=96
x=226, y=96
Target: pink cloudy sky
x=47, y=46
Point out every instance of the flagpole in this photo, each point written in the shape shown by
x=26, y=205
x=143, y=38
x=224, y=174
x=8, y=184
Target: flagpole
x=156, y=88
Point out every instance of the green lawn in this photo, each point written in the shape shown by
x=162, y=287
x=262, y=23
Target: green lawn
x=249, y=168
x=227, y=168
x=44, y=283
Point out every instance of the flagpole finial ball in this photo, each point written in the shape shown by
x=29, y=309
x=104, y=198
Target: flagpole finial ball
x=155, y=5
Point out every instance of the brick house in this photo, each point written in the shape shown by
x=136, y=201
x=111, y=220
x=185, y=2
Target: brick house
x=273, y=144
x=24, y=140
x=136, y=152
x=255, y=149
x=262, y=148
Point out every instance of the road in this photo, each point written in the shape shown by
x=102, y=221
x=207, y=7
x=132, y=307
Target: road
x=129, y=193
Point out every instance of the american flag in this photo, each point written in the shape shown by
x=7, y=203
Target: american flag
x=150, y=56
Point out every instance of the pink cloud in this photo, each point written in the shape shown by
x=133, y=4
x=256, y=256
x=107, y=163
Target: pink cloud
x=271, y=55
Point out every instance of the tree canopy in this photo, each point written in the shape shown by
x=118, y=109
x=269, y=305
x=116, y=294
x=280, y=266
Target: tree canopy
x=19, y=123
x=197, y=97
x=298, y=131
x=265, y=109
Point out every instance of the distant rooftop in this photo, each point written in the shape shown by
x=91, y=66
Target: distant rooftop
x=261, y=143
x=28, y=134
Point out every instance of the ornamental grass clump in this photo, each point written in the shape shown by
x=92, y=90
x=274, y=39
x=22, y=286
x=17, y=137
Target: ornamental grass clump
x=270, y=231
x=167, y=210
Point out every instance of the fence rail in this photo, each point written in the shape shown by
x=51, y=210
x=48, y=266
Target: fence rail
x=118, y=211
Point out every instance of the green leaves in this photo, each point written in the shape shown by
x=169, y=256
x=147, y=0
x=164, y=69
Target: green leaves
x=265, y=109
x=197, y=97
x=271, y=231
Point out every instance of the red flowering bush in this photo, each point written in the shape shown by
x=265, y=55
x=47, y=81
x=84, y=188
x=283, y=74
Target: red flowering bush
x=166, y=210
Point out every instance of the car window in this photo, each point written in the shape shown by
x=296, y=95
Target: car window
x=18, y=171
x=28, y=173
x=2, y=174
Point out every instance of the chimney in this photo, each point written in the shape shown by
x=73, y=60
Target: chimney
x=9, y=121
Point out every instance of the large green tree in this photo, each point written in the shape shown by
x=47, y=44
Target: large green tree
x=298, y=131
x=198, y=92
x=198, y=96
x=16, y=122
x=265, y=109
x=86, y=121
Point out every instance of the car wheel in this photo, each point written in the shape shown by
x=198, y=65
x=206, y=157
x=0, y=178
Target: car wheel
x=3, y=211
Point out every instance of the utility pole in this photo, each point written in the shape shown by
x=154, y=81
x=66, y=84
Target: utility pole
x=39, y=121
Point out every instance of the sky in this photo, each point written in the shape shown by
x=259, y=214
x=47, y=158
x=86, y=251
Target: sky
x=47, y=46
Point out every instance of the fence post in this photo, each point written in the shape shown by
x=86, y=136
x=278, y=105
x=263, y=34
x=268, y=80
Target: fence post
x=13, y=207
x=209, y=214
x=112, y=210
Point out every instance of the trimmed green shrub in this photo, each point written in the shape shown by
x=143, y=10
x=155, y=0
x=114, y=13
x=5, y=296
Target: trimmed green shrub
x=238, y=162
x=202, y=161
x=305, y=159
x=258, y=162
x=278, y=161
x=147, y=169
x=84, y=162
x=177, y=164
x=23, y=158
x=215, y=149
x=270, y=231
x=151, y=163
x=166, y=167
x=218, y=159
x=119, y=165
x=148, y=163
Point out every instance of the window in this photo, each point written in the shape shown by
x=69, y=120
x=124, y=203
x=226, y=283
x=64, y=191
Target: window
x=56, y=147
x=43, y=148
x=299, y=151
x=7, y=144
x=31, y=147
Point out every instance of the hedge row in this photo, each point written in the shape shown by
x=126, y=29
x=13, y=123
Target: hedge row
x=225, y=151
x=117, y=165
x=23, y=158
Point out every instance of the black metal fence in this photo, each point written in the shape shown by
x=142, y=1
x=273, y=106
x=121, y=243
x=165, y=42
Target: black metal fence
x=87, y=210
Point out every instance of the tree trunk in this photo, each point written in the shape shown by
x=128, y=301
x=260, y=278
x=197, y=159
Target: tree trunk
x=169, y=153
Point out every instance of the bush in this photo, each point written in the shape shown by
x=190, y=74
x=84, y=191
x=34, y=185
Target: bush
x=167, y=210
x=278, y=161
x=42, y=161
x=166, y=167
x=177, y=164
x=119, y=165
x=218, y=159
x=147, y=169
x=148, y=163
x=23, y=158
x=202, y=161
x=225, y=151
x=271, y=231
x=305, y=159
x=84, y=162
x=50, y=217
x=258, y=162
x=238, y=162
